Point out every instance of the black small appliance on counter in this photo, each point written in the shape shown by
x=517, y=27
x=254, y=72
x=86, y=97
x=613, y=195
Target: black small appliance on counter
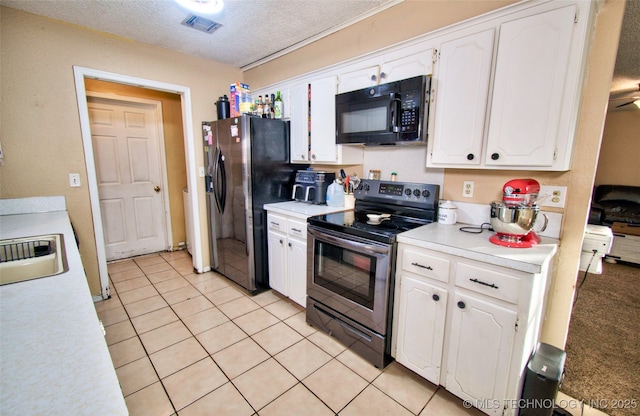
x=311, y=186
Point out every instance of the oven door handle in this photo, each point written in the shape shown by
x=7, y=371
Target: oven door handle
x=349, y=244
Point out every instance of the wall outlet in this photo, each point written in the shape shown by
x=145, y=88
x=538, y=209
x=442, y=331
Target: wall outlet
x=552, y=196
x=467, y=189
x=74, y=180
x=201, y=171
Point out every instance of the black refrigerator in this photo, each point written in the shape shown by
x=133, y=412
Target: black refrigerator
x=246, y=166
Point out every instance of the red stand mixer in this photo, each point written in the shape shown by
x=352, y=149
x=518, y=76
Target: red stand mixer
x=513, y=218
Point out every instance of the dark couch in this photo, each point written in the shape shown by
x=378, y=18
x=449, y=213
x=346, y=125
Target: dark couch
x=615, y=203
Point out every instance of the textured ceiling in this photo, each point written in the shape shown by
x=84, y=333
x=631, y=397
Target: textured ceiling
x=251, y=29
x=256, y=29
x=627, y=71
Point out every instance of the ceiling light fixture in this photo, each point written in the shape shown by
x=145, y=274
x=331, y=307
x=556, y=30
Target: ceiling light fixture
x=202, y=6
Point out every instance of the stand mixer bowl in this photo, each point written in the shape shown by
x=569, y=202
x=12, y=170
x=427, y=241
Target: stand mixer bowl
x=513, y=219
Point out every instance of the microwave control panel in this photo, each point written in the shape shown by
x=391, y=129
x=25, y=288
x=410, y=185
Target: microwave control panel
x=409, y=105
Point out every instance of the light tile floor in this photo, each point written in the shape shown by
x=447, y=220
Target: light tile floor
x=197, y=344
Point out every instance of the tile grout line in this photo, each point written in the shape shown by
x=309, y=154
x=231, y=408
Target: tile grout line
x=270, y=356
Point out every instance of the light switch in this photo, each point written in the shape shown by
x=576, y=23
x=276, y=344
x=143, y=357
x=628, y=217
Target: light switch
x=74, y=180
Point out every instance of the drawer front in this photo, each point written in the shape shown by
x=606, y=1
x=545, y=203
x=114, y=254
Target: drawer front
x=277, y=223
x=418, y=262
x=297, y=229
x=489, y=282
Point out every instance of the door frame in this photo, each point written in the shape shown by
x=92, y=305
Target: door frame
x=164, y=181
x=80, y=73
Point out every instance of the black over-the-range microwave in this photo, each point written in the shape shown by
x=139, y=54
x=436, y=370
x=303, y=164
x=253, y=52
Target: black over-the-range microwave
x=385, y=114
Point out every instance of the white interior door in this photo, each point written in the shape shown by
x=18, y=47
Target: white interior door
x=127, y=148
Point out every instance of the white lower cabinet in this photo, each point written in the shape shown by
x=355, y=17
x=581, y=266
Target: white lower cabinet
x=287, y=246
x=421, y=319
x=466, y=325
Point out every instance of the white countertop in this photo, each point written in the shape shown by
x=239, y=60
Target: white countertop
x=302, y=210
x=450, y=240
x=53, y=356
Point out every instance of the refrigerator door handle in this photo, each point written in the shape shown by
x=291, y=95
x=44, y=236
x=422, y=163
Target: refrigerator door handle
x=217, y=160
x=223, y=188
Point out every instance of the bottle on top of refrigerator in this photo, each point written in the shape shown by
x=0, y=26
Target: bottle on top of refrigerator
x=266, y=108
x=278, y=107
x=259, y=108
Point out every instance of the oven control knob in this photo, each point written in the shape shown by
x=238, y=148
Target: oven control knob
x=366, y=186
x=426, y=193
x=407, y=192
x=416, y=192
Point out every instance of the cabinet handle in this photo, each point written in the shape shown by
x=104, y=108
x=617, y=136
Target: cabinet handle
x=313, y=156
x=435, y=297
x=461, y=305
x=275, y=223
x=383, y=75
x=480, y=282
x=373, y=78
x=470, y=156
x=296, y=230
x=495, y=156
x=421, y=266
x=281, y=242
x=289, y=244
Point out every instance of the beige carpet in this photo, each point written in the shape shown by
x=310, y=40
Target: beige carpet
x=603, y=346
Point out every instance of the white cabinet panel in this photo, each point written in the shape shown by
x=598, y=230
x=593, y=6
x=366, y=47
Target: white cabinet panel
x=531, y=70
x=297, y=269
x=421, y=324
x=407, y=63
x=299, y=123
x=462, y=88
x=287, y=246
x=277, y=261
x=480, y=350
x=323, y=119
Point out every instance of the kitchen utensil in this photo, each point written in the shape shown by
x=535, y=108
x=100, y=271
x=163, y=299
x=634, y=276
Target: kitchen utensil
x=355, y=181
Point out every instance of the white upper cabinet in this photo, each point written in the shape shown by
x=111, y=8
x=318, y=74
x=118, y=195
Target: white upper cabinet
x=522, y=113
x=299, y=123
x=527, y=114
x=461, y=84
x=407, y=63
x=313, y=125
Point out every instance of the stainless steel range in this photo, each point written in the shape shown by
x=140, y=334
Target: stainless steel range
x=351, y=263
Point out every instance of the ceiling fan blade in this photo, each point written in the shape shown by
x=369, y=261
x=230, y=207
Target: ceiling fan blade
x=627, y=103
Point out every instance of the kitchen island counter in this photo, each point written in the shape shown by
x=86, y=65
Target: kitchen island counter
x=54, y=357
x=450, y=240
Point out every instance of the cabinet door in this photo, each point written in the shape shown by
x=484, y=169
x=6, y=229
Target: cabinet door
x=481, y=345
x=410, y=66
x=422, y=310
x=358, y=79
x=297, y=271
x=277, y=261
x=462, y=87
x=533, y=58
x=299, y=113
x=323, y=120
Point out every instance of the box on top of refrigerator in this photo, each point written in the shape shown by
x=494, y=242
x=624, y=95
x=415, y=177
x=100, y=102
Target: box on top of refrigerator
x=240, y=99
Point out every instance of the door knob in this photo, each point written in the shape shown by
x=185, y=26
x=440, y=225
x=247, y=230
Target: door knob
x=156, y=188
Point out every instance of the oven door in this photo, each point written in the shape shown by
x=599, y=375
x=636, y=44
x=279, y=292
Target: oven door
x=350, y=275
